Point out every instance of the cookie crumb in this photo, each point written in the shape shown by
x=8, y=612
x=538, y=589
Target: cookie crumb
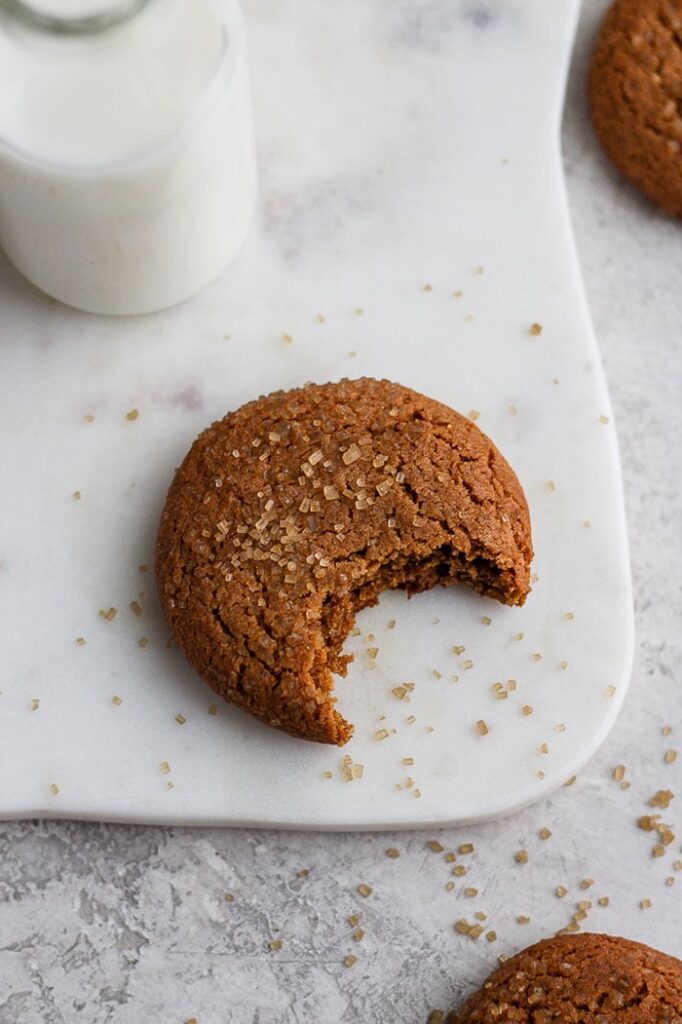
x=661, y=798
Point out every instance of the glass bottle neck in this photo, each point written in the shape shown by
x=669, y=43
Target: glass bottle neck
x=71, y=17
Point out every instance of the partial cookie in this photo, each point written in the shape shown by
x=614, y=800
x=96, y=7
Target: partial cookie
x=635, y=93
x=298, y=509
x=580, y=979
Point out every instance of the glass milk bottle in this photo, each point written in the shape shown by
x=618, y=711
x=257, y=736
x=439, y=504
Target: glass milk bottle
x=127, y=166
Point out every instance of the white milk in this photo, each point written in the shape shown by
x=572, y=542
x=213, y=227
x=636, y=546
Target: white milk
x=127, y=167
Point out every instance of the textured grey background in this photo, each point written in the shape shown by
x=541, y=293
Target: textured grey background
x=116, y=924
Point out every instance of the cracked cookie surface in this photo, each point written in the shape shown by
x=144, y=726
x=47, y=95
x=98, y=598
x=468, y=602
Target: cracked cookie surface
x=294, y=512
x=580, y=979
x=635, y=94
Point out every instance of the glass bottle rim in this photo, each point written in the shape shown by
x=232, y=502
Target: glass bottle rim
x=32, y=16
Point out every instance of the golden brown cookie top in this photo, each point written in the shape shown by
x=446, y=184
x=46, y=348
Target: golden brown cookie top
x=635, y=93
x=296, y=510
x=580, y=979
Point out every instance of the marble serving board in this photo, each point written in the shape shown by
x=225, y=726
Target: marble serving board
x=412, y=225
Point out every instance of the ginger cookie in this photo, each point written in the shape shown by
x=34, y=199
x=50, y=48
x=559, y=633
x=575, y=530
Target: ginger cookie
x=635, y=95
x=297, y=510
x=580, y=979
